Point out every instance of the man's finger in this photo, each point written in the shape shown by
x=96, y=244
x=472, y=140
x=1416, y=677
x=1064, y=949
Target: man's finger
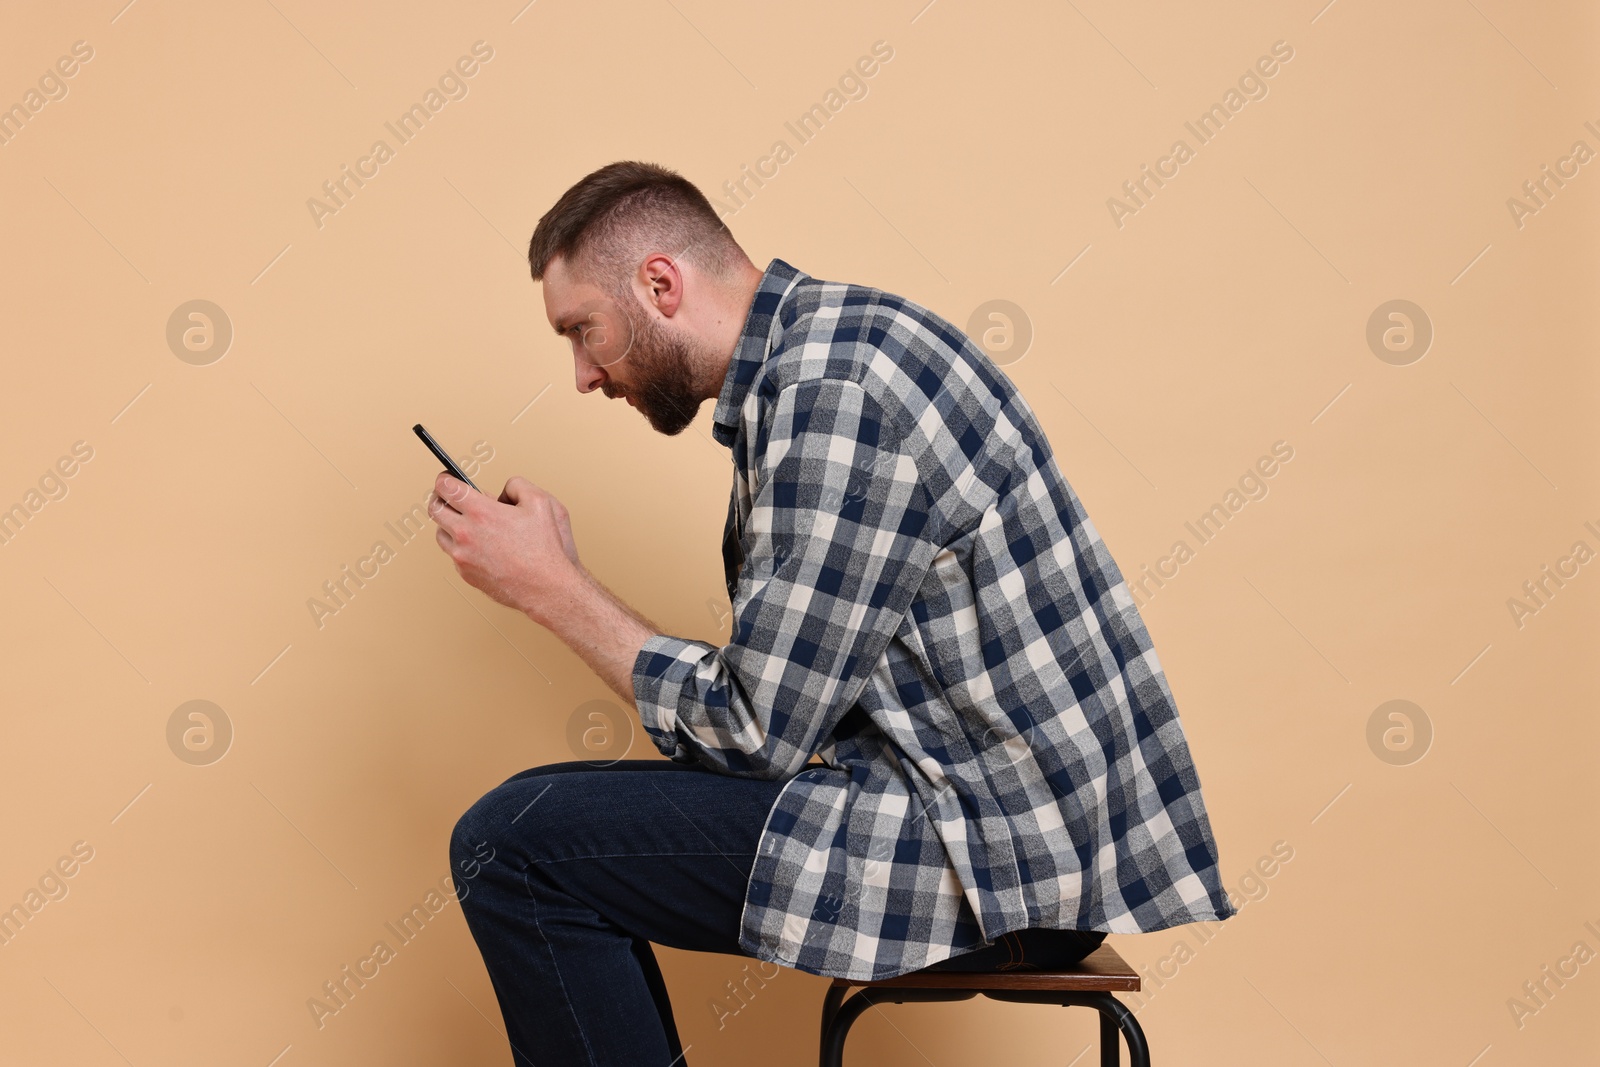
x=442, y=513
x=456, y=493
x=517, y=490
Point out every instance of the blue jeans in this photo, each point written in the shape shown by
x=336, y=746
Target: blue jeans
x=568, y=873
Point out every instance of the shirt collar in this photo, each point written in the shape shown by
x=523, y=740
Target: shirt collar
x=760, y=333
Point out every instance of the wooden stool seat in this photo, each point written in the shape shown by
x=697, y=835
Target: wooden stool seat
x=1088, y=984
x=1103, y=970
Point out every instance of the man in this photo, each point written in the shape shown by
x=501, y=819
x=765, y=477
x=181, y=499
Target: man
x=919, y=601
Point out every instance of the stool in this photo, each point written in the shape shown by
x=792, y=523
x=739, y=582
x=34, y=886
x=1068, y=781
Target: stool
x=1088, y=985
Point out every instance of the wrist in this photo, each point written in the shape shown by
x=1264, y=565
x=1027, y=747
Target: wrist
x=562, y=597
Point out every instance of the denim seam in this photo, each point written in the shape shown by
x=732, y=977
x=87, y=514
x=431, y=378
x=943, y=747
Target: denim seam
x=555, y=966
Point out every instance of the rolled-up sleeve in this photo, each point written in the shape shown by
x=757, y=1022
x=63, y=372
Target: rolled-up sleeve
x=835, y=549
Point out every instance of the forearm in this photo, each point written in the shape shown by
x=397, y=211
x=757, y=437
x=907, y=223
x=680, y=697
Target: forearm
x=600, y=627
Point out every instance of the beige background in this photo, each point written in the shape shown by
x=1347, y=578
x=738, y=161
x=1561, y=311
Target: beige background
x=1229, y=313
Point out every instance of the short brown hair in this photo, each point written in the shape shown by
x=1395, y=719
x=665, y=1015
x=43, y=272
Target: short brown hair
x=613, y=217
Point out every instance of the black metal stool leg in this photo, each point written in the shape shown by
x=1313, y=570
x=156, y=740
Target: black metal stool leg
x=830, y=1008
x=834, y=1034
x=1114, y=1016
x=1110, y=1040
x=1110, y=1009
x=838, y=1028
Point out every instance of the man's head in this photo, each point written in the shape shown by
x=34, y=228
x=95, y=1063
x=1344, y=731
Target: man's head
x=647, y=284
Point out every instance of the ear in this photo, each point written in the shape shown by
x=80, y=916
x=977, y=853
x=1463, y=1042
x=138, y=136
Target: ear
x=663, y=282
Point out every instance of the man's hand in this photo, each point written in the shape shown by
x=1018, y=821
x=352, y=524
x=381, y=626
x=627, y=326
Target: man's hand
x=519, y=550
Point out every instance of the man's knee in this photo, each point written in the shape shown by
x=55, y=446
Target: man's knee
x=469, y=850
x=483, y=829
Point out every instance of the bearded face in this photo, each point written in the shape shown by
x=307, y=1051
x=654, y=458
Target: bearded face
x=661, y=362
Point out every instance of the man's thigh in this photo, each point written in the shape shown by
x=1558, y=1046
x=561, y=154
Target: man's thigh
x=658, y=850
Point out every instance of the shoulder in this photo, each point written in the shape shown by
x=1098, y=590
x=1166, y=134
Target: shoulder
x=936, y=395
x=908, y=360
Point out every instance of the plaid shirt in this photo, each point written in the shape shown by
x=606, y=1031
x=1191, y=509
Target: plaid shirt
x=920, y=600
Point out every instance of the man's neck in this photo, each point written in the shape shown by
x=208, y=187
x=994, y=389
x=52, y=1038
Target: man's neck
x=733, y=311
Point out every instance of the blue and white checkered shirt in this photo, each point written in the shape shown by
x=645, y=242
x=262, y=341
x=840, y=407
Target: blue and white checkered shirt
x=920, y=600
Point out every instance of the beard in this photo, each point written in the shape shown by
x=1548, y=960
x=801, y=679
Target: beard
x=667, y=394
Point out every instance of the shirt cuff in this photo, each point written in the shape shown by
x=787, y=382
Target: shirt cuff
x=663, y=668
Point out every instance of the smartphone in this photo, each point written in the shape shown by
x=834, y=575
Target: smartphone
x=442, y=456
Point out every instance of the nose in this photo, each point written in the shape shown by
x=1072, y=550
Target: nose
x=587, y=376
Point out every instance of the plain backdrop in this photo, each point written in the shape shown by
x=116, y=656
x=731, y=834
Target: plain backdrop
x=1440, y=860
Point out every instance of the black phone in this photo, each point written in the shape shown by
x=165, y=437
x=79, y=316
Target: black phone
x=442, y=456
